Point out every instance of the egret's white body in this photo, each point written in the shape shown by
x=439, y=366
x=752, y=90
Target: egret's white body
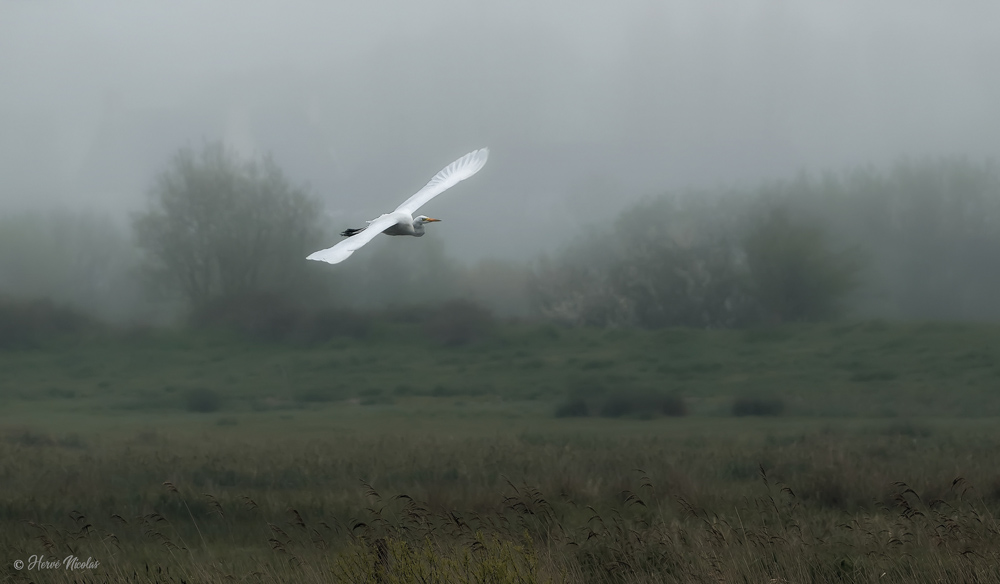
x=401, y=221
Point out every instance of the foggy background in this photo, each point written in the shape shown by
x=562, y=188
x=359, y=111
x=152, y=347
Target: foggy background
x=587, y=106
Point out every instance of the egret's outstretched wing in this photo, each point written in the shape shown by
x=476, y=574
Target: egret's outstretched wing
x=452, y=174
x=344, y=249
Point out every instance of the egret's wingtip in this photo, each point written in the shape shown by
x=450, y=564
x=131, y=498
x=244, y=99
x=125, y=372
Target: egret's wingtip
x=323, y=256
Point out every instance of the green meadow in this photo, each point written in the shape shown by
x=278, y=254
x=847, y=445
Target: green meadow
x=848, y=452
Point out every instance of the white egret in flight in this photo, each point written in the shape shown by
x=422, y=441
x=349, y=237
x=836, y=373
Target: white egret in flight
x=401, y=221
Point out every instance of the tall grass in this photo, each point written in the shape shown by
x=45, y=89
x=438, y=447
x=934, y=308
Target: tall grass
x=870, y=503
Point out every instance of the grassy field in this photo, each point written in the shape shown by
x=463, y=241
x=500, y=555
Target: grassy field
x=863, y=369
x=392, y=456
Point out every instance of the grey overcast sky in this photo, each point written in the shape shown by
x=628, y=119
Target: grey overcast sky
x=585, y=105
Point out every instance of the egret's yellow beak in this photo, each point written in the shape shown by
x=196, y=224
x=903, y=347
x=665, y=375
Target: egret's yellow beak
x=429, y=220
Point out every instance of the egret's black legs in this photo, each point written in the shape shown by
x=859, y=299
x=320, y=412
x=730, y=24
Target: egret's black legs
x=350, y=232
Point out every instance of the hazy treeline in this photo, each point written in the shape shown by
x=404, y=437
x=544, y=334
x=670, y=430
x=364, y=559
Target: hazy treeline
x=917, y=241
x=224, y=234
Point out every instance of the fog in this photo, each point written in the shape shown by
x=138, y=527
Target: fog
x=585, y=105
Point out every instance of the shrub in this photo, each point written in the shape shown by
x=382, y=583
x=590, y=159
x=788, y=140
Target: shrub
x=573, y=408
x=643, y=405
x=753, y=406
x=25, y=323
x=316, y=395
x=203, y=400
x=671, y=405
x=377, y=400
x=908, y=429
x=618, y=405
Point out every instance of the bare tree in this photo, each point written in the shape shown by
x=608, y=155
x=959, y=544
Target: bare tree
x=222, y=227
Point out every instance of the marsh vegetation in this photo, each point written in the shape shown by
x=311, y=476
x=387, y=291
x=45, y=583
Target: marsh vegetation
x=857, y=452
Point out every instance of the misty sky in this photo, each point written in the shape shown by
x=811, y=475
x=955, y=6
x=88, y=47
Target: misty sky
x=585, y=105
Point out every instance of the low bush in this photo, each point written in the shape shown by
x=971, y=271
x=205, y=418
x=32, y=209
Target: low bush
x=753, y=406
x=25, y=323
x=203, y=400
x=573, y=408
x=642, y=405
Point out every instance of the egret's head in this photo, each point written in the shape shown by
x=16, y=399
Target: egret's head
x=421, y=219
